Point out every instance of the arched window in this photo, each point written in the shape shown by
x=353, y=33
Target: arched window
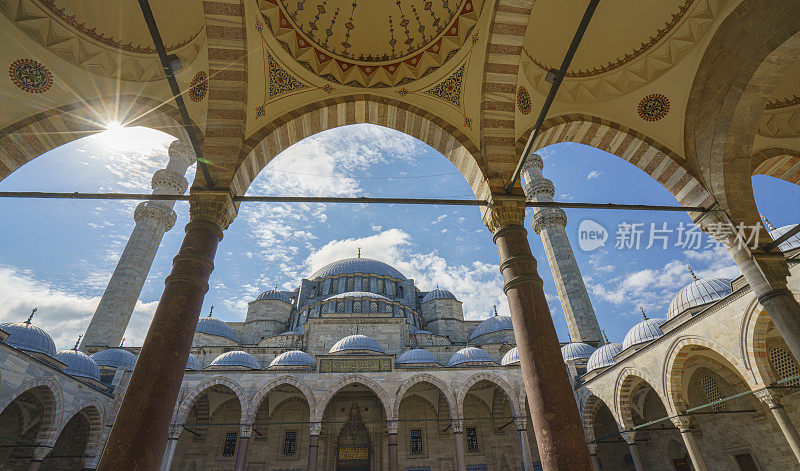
x=351, y=282
x=356, y=306
x=340, y=306
x=400, y=291
x=380, y=286
x=711, y=391
x=373, y=307
x=365, y=284
x=335, y=285
x=783, y=365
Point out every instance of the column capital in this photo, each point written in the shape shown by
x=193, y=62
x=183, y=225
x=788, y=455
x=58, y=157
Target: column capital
x=503, y=211
x=245, y=430
x=149, y=210
x=216, y=207
x=458, y=425
x=392, y=426
x=682, y=422
x=521, y=423
x=629, y=437
x=174, y=432
x=770, y=397
x=40, y=452
x=314, y=428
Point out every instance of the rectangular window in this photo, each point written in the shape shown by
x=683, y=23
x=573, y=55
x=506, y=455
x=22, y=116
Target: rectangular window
x=290, y=444
x=416, y=442
x=746, y=462
x=472, y=439
x=230, y=444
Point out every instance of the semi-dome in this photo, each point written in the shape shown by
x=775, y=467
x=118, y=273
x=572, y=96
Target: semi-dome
x=361, y=266
x=28, y=337
x=357, y=294
x=79, y=364
x=236, y=359
x=577, y=351
x=115, y=358
x=698, y=293
x=212, y=326
x=511, y=357
x=274, y=294
x=356, y=344
x=438, y=293
x=603, y=356
x=416, y=356
x=492, y=324
x=789, y=244
x=293, y=358
x=645, y=331
x=470, y=355
x=193, y=363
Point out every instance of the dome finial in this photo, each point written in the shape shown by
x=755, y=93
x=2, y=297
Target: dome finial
x=31, y=316
x=76, y=343
x=495, y=310
x=211, y=311
x=359, y=252
x=121, y=342
x=437, y=285
x=604, y=336
x=643, y=314
x=692, y=272
x=767, y=221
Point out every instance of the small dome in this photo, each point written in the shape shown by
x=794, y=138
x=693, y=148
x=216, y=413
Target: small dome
x=193, y=363
x=212, y=326
x=511, y=357
x=492, y=324
x=357, y=294
x=28, y=337
x=299, y=330
x=470, y=355
x=79, y=364
x=412, y=330
x=789, y=244
x=645, y=331
x=603, y=356
x=361, y=266
x=577, y=351
x=356, y=344
x=416, y=356
x=293, y=358
x=276, y=295
x=438, y=294
x=115, y=358
x=698, y=293
x=236, y=359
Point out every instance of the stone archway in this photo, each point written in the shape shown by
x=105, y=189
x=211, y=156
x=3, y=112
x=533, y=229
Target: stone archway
x=778, y=162
x=602, y=434
x=281, y=423
x=30, y=420
x=76, y=442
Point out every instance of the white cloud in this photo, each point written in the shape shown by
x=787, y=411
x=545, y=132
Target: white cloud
x=594, y=174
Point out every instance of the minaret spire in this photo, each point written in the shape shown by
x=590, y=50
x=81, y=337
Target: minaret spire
x=767, y=221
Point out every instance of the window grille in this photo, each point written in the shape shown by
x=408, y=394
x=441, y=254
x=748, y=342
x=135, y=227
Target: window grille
x=391, y=288
x=340, y=306
x=416, y=442
x=351, y=284
x=472, y=439
x=229, y=447
x=712, y=393
x=373, y=307
x=290, y=444
x=365, y=284
x=335, y=286
x=388, y=307
x=356, y=306
x=380, y=287
x=784, y=365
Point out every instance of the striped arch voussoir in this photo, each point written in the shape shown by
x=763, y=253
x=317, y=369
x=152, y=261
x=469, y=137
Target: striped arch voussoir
x=255, y=403
x=183, y=411
x=754, y=343
x=492, y=378
x=626, y=381
x=424, y=378
x=348, y=380
x=778, y=162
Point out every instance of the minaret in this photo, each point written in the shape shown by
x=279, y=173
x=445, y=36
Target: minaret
x=549, y=223
x=153, y=218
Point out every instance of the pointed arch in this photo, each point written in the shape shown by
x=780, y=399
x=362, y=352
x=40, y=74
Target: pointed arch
x=778, y=162
x=492, y=378
x=346, y=381
x=262, y=392
x=183, y=411
x=626, y=381
x=94, y=412
x=424, y=378
x=52, y=401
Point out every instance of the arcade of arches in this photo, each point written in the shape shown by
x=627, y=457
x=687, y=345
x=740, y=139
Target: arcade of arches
x=699, y=94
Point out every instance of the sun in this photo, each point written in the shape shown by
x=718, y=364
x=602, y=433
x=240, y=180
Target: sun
x=130, y=138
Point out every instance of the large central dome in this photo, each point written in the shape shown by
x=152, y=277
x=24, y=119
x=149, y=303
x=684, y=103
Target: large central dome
x=360, y=266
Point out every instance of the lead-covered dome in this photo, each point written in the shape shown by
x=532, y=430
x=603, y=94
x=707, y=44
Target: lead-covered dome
x=294, y=359
x=416, y=356
x=357, y=294
x=356, y=344
x=275, y=295
x=603, y=356
x=789, y=244
x=28, y=337
x=492, y=324
x=698, y=293
x=361, y=266
x=470, y=355
x=235, y=360
x=511, y=357
x=212, y=326
x=438, y=294
x=645, y=331
x=79, y=364
x=193, y=363
x=115, y=358
x=577, y=351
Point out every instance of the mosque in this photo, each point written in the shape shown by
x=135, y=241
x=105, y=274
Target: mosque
x=358, y=368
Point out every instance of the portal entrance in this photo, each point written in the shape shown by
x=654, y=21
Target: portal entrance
x=353, y=443
x=354, y=434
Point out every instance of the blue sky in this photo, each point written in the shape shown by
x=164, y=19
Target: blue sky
x=58, y=255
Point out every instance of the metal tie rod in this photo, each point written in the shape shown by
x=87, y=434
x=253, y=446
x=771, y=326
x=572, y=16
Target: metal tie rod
x=348, y=200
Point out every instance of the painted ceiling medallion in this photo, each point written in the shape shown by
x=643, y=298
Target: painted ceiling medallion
x=30, y=76
x=449, y=90
x=198, y=87
x=524, y=102
x=653, y=107
x=376, y=43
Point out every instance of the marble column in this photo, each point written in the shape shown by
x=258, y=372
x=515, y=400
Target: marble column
x=593, y=455
x=391, y=428
x=39, y=453
x=630, y=439
x=554, y=412
x=140, y=430
x=550, y=224
x=527, y=459
x=313, y=446
x=153, y=218
x=458, y=436
x=773, y=401
x=241, y=450
x=684, y=425
x=169, y=453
